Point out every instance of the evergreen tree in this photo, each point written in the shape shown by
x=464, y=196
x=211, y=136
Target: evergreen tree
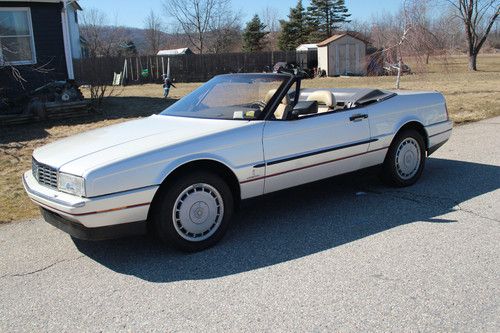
x=294, y=31
x=253, y=35
x=127, y=49
x=326, y=16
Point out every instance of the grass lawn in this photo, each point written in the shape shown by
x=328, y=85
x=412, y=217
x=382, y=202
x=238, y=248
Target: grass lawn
x=470, y=97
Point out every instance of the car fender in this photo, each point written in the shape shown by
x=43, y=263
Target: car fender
x=406, y=120
x=177, y=163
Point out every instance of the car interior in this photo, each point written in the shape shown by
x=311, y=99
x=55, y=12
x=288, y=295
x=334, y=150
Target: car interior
x=328, y=100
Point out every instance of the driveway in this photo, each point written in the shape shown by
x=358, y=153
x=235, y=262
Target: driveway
x=346, y=254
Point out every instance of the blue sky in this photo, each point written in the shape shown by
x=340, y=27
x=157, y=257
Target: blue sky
x=133, y=12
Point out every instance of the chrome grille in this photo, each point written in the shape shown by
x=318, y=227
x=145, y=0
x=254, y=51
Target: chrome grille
x=44, y=174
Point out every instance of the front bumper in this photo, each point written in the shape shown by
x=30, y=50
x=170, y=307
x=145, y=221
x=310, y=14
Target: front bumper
x=107, y=210
x=79, y=231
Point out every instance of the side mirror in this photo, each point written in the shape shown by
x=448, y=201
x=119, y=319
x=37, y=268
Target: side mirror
x=304, y=108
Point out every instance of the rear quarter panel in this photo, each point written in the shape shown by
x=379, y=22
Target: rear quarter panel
x=387, y=117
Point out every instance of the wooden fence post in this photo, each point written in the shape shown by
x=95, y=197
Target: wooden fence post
x=137, y=67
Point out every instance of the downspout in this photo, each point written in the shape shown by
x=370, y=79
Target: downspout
x=67, y=43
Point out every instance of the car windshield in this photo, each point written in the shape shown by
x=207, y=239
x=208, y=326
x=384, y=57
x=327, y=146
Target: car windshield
x=234, y=96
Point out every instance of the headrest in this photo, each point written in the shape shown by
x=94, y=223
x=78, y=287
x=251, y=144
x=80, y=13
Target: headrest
x=270, y=94
x=323, y=97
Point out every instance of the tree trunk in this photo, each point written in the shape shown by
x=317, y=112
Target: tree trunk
x=473, y=62
x=398, y=78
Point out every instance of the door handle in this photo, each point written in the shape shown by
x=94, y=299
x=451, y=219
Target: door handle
x=358, y=117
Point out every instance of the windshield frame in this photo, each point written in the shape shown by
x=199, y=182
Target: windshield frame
x=287, y=81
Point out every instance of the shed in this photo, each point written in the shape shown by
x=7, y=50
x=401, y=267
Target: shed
x=306, y=47
x=307, y=55
x=175, y=52
x=342, y=54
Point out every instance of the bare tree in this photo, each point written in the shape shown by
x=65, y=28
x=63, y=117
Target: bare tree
x=103, y=39
x=423, y=40
x=359, y=26
x=394, y=36
x=448, y=28
x=195, y=18
x=271, y=18
x=154, y=32
x=224, y=29
x=478, y=17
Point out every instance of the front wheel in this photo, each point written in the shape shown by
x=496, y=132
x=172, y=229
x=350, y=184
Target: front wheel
x=194, y=211
x=405, y=159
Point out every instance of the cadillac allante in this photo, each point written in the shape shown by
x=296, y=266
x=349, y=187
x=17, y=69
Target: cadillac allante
x=181, y=173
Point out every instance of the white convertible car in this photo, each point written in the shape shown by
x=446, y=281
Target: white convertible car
x=181, y=173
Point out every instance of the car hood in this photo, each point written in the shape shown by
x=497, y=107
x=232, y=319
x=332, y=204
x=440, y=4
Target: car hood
x=155, y=131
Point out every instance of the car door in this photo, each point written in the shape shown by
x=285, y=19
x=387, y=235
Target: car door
x=313, y=147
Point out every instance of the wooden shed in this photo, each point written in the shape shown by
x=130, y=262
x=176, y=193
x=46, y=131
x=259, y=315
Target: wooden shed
x=342, y=54
x=307, y=55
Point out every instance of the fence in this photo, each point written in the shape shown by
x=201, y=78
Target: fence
x=183, y=68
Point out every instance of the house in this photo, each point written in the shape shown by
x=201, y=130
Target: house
x=39, y=38
x=343, y=54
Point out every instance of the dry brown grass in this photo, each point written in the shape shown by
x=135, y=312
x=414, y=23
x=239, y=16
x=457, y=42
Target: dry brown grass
x=470, y=97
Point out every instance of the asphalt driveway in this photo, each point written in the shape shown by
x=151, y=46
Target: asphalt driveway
x=346, y=254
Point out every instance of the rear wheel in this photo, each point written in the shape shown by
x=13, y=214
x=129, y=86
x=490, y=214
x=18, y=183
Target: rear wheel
x=405, y=159
x=193, y=213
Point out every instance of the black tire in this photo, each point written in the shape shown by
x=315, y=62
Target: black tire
x=163, y=222
x=390, y=174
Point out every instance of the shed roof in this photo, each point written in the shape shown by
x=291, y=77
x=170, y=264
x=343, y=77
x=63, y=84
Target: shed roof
x=338, y=36
x=172, y=52
x=305, y=47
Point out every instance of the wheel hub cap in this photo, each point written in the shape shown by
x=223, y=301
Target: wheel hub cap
x=408, y=158
x=198, y=212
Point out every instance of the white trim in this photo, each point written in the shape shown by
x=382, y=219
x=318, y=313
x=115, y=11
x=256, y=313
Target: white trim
x=31, y=35
x=67, y=42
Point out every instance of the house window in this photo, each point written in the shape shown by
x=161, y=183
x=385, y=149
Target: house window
x=17, y=46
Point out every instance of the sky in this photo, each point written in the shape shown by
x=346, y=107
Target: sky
x=133, y=12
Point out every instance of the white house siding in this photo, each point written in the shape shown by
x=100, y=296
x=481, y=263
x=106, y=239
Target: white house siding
x=74, y=33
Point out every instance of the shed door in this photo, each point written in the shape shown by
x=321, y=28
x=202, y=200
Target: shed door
x=352, y=59
x=342, y=59
x=347, y=61
x=337, y=69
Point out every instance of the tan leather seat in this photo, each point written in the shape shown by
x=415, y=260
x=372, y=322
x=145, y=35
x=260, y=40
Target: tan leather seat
x=326, y=100
x=282, y=107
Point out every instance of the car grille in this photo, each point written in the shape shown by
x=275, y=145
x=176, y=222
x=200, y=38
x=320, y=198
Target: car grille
x=44, y=174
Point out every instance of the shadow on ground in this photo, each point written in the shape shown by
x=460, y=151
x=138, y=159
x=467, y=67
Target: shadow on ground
x=302, y=221
x=115, y=107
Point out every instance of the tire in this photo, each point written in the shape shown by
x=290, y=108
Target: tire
x=194, y=211
x=405, y=160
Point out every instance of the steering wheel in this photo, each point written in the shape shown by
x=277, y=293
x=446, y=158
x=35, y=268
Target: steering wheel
x=260, y=105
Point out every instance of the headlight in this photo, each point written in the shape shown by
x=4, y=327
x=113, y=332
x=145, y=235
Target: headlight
x=71, y=184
